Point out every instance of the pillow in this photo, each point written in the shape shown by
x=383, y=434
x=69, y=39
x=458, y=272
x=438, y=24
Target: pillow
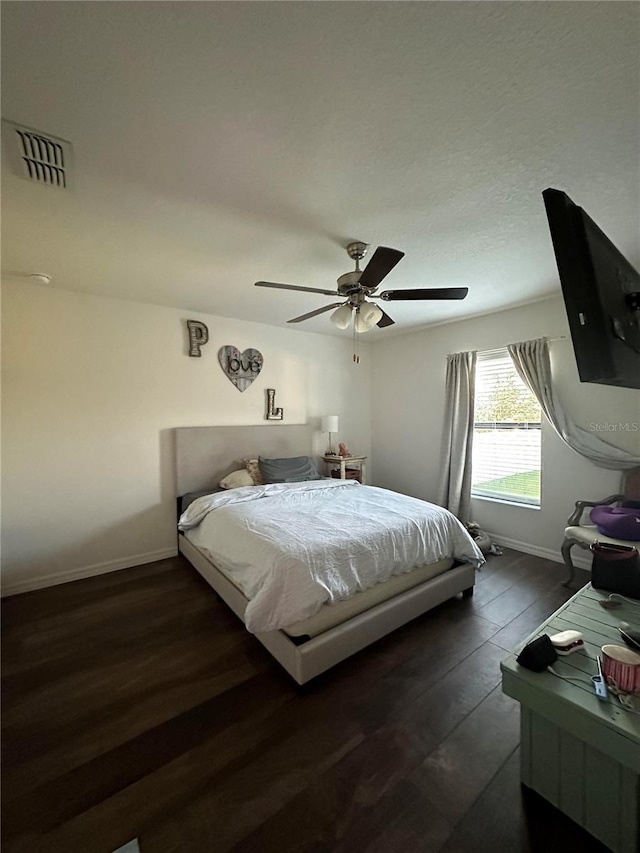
x=251, y=465
x=617, y=522
x=236, y=479
x=295, y=469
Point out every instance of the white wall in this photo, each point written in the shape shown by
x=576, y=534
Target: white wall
x=408, y=406
x=92, y=388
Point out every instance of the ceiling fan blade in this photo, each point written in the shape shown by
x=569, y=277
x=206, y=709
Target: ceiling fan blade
x=382, y=262
x=295, y=287
x=385, y=320
x=314, y=313
x=425, y=293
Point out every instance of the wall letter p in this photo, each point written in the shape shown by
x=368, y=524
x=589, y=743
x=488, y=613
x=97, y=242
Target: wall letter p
x=198, y=337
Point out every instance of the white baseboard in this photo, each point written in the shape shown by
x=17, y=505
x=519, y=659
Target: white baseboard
x=579, y=558
x=42, y=581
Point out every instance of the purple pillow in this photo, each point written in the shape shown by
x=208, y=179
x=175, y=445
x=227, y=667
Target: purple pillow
x=619, y=522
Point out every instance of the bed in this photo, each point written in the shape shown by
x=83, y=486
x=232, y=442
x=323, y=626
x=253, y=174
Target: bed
x=345, y=618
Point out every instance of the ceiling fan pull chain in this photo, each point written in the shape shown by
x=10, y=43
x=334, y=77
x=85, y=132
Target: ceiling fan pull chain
x=356, y=356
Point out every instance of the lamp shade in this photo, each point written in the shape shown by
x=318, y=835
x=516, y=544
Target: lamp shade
x=329, y=423
x=342, y=316
x=367, y=316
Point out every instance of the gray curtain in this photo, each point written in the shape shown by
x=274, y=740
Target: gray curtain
x=531, y=360
x=454, y=492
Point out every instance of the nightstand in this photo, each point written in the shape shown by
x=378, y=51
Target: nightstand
x=345, y=467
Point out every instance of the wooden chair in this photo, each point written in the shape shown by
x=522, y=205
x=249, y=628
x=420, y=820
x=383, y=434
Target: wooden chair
x=584, y=535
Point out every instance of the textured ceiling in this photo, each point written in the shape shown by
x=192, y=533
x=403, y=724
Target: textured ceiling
x=221, y=143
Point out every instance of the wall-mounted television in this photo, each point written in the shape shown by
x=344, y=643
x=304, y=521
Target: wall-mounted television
x=601, y=293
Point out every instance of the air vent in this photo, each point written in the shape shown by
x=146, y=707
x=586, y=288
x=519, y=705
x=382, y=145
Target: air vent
x=38, y=157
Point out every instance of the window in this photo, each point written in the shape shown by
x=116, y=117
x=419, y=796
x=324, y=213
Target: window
x=506, y=433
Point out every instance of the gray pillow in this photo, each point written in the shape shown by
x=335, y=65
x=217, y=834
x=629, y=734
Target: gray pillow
x=295, y=469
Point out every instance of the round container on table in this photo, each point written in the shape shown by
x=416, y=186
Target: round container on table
x=621, y=668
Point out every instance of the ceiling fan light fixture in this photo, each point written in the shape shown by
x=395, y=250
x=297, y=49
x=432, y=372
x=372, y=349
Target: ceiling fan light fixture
x=342, y=316
x=367, y=317
x=358, y=287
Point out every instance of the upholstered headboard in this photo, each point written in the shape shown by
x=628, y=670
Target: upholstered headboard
x=204, y=455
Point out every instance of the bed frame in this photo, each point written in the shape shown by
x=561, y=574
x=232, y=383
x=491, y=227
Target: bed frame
x=204, y=455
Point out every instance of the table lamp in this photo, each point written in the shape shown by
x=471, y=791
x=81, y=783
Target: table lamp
x=329, y=424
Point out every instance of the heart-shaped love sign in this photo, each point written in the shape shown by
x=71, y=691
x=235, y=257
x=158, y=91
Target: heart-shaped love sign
x=240, y=367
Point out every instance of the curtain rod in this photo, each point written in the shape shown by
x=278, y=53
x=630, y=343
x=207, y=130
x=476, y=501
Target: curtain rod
x=499, y=349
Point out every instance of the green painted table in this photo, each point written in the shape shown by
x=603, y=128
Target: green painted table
x=581, y=754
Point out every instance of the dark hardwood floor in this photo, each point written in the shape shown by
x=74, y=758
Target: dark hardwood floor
x=135, y=705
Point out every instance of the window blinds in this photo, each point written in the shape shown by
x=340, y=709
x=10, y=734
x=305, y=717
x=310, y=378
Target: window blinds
x=506, y=441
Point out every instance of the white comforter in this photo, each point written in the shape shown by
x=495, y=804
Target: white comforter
x=291, y=547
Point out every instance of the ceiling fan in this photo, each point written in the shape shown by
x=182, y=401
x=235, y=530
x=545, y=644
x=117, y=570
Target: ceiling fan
x=359, y=287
